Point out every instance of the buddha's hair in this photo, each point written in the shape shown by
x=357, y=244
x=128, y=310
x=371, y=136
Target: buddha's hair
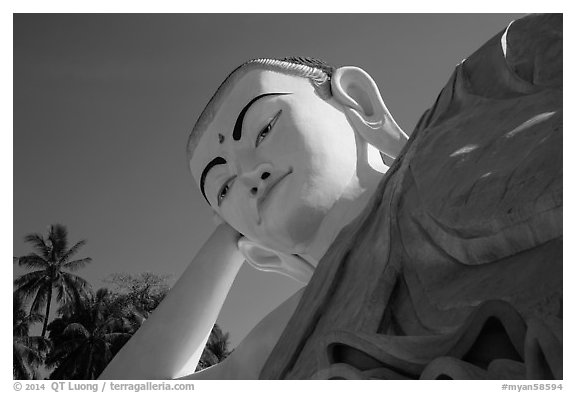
x=317, y=71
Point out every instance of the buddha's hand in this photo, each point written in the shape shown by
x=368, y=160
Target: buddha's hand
x=226, y=228
x=228, y=234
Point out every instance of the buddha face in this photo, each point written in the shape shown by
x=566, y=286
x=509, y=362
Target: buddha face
x=275, y=159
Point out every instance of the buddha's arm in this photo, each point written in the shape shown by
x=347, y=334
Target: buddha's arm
x=171, y=341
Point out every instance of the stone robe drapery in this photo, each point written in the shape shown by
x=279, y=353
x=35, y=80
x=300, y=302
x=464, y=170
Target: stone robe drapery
x=455, y=268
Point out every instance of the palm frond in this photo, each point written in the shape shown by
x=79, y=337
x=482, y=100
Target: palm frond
x=20, y=368
x=218, y=343
x=68, y=366
x=66, y=295
x=29, y=354
x=28, y=284
x=41, y=298
x=34, y=347
x=63, y=349
x=40, y=343
x=76, y=329
x=107, y=350
x=73, y=250
x=70, y=308
x=33, y=261
x=34, y=318
x=17, y=306
x=39, y=244
x=21, y=326
x=29, y=280
x=87, y=344
x=76, y=264
x=75, y=281
x=74, y=288
x=59, y=237
x=29, y=290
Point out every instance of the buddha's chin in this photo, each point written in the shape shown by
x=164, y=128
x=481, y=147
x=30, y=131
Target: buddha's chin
x=292, y=229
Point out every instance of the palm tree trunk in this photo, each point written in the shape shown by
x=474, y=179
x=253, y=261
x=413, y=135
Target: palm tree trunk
x=88, y=374
x=45, y=325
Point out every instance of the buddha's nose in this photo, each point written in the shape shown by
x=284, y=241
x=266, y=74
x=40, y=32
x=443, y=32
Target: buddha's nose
x=256, y=179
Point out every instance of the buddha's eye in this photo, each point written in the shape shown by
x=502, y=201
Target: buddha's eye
x=263, y=134
x=224, y=191
x=267, y=129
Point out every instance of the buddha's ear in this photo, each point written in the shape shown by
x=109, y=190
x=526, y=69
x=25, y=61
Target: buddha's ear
x=357, y=92
x=266, y=259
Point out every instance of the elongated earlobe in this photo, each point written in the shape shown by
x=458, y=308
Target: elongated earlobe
x=357, y=92
x=354, y=88
x=265, y=259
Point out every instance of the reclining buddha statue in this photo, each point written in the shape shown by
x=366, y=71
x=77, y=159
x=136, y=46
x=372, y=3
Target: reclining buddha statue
x=434, y=256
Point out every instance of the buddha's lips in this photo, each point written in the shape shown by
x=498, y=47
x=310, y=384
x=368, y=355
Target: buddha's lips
x=262, y=199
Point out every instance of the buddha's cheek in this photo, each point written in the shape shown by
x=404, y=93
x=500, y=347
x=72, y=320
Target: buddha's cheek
x=299, y=226
x=294, y=223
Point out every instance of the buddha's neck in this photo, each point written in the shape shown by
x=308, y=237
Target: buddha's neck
x=360, y=190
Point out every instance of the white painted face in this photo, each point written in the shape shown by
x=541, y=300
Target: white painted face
x=290, y=159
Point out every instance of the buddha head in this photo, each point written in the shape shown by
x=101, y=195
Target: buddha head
x=281, y=143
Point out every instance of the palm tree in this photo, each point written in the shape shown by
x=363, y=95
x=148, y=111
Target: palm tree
x=52, y=258
x=29, y=351
x=86, y=338
x=216, y=349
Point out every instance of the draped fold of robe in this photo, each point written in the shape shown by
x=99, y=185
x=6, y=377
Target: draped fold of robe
x=454, y=270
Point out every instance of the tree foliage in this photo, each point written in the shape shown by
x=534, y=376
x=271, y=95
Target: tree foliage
x=86, y=338
x=216, y=350
x=140, y=293
x=29, y=351
x=90, y=327
x=52, y=263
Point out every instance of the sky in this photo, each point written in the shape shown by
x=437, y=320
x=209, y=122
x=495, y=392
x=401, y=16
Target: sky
x=103, y=105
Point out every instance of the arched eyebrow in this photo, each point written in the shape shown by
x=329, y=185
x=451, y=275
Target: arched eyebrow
x=211, y=164
x=237, y=132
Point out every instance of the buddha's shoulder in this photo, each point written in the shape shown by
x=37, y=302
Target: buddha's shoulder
x=482, y=177
x=490, y=176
